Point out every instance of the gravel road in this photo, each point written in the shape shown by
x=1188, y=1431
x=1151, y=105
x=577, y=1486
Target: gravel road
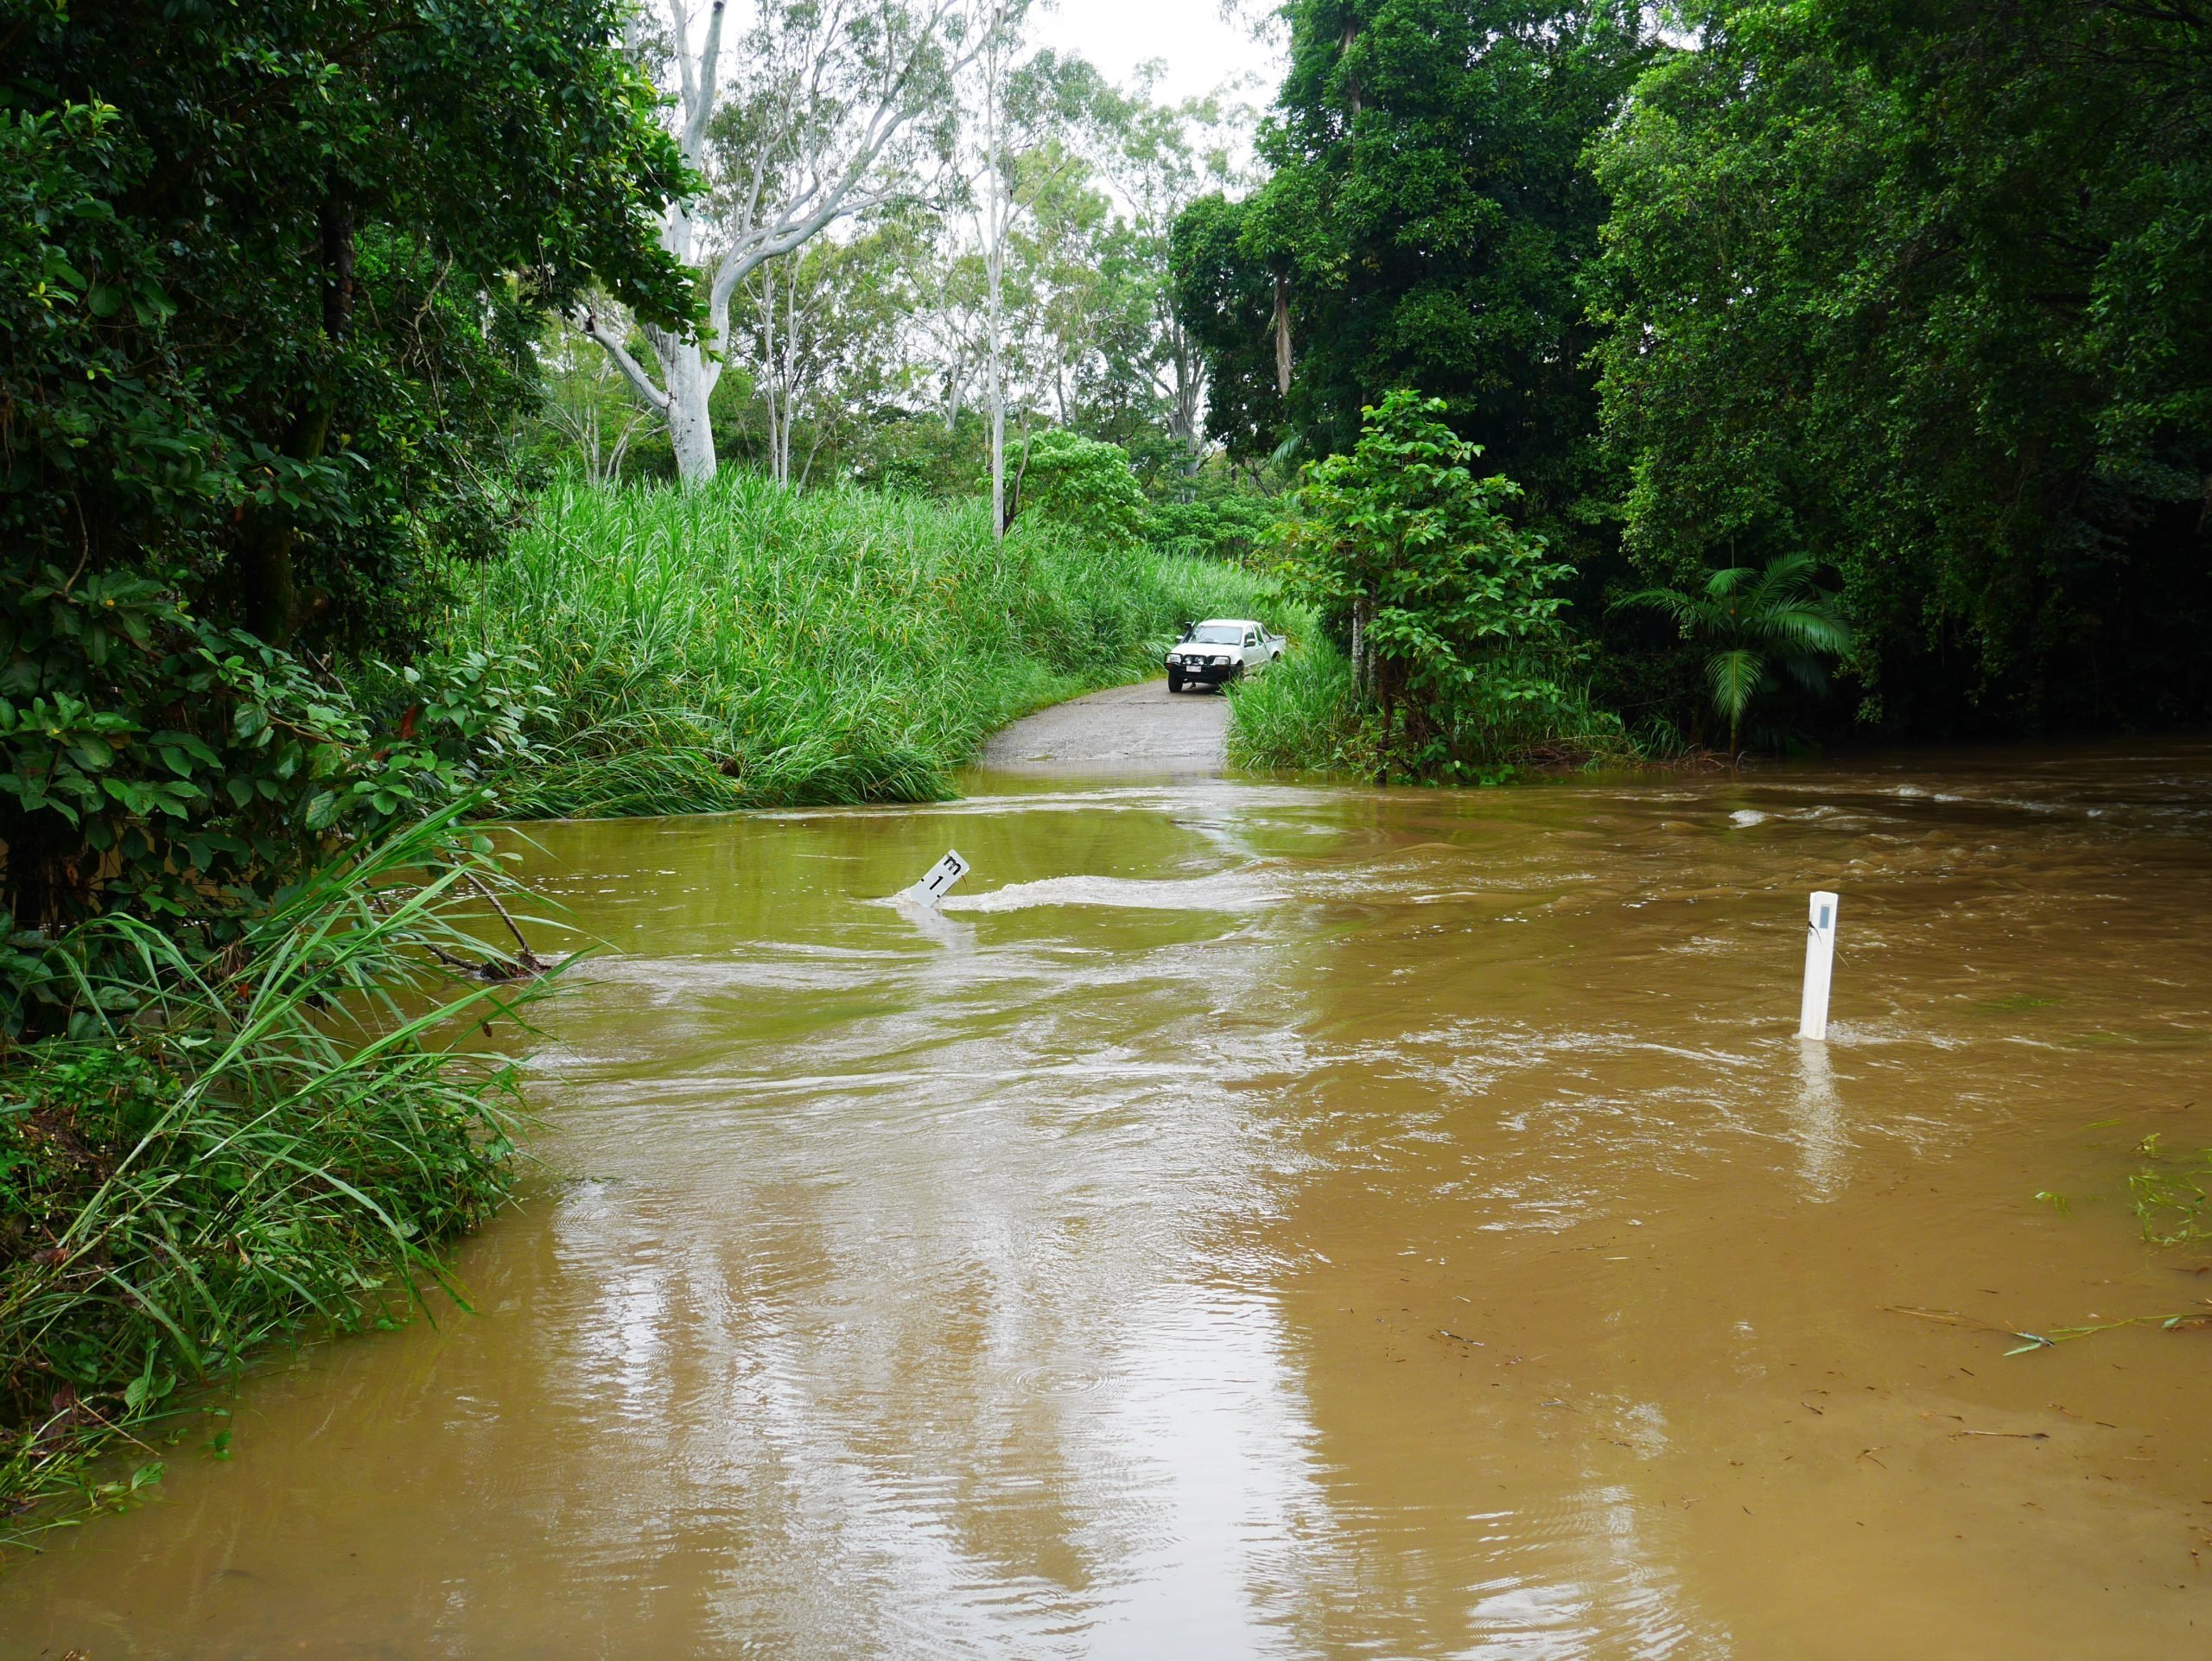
x=1141, y=729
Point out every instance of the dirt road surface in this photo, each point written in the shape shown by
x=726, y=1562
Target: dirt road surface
x=1138, y=729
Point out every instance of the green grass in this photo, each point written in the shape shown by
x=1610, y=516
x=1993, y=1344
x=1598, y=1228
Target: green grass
x=221, y=1155
x=741, y=644
x=2172, y=1195
x=1299, y=717
x=1305, y=717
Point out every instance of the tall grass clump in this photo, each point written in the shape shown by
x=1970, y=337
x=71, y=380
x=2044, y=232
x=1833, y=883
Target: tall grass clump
x=741, y=643
x=1301, y=716
x=1306, y=714
x=221, y=1153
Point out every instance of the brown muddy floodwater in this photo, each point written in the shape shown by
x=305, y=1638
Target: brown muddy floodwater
x=1280, y=1222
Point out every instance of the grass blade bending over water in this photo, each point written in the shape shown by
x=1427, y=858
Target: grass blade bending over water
x=220, y=1154
x=741, y=644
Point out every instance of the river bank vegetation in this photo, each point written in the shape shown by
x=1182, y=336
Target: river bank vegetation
x=743, y=645
x=1916, y=292
x=270, y=276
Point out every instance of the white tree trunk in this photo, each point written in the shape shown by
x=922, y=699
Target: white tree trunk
x=771, y=382
x=688, y=380
x=833, y=164
x=1187, y=419
x=998, y=401
x=994, y=271
x=791, y=374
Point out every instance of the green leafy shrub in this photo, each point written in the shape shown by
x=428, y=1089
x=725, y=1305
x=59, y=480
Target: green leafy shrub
x=1085, y=486
x=153, y=764
x=1448, y=613
x=1219, y=527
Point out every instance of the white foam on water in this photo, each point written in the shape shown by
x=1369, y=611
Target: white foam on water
x=1227, y=891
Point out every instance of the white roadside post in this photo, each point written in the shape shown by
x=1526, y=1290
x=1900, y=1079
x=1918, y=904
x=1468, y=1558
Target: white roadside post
x=1820, y=966
x=935, y=881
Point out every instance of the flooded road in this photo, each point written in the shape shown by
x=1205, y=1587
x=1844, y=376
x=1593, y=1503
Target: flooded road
x=1256, y=1221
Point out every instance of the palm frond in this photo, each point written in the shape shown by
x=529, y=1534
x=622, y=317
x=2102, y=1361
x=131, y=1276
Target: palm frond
x=1686, y=610
x=1810, y=625
x=1735, y=676
x=1807, y=669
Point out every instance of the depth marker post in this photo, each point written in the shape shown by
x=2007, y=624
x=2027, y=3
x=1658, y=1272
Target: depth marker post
x=935, y=881
x=1819, y=967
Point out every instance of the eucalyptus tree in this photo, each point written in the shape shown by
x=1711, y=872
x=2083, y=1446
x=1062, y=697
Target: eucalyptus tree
x=823, y=335
x=997, y=203
x=589, y=403
x=1060, y=256
x=1058, y=268
x=943, y=304
x=1159, y=159
x=822, y=112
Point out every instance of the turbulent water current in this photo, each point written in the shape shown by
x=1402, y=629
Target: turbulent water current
x=1263, y=1221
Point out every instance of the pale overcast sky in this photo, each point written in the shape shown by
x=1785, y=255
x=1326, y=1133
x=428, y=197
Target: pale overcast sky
x=1200, y=50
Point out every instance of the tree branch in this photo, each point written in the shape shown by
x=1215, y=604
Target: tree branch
x=702, y=104
x=633, y=371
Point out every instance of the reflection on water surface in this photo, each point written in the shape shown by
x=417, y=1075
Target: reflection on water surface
x=1261, y=1221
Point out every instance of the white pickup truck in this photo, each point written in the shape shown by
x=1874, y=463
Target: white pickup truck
x=1221, y=649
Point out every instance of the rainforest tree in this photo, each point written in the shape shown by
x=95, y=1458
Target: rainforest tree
x=269, y=278
x=1924, y=291
x=1448, y=609
x=1426, y=223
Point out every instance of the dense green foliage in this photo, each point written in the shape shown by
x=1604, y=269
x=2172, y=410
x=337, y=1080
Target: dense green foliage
x=1226, y=296
x=1919, y=290
x=269, y=279
x=1429, y=212
x=1225, y=524
x=1453, y=612
x=1925, y=291
x=739, y=643
x=278, y=1137
x=1428, y=222
x=1083, y=486
x=1757, y=622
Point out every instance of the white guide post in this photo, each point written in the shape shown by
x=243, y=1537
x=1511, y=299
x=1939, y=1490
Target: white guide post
x=1820, y=966
x=934, y=884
